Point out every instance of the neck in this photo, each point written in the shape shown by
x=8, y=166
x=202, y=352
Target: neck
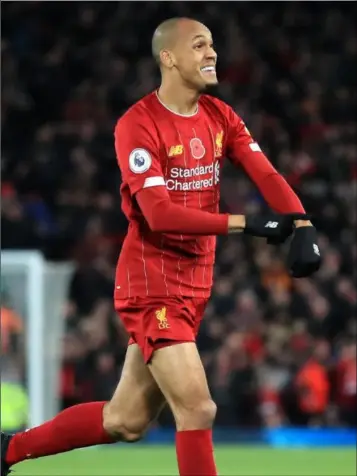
x=178, y=98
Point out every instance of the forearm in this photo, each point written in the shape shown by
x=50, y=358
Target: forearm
x=282, y=198
x=169, y=217
x=164, y=216
x=279, y=195
x=274, y=188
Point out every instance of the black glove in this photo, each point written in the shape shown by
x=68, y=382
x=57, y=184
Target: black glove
x=304, y=256
x=277, y=228
x=296, y=216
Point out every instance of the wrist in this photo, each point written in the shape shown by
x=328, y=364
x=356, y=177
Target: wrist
x=299, y=223
x=236, y=223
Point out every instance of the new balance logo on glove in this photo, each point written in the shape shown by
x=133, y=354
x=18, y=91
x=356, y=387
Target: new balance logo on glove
x=316, y=249
x=271, y=224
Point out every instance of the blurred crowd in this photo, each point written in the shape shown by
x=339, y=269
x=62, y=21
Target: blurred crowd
x=276, y=350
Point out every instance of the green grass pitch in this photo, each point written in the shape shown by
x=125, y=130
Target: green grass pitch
x=136, y=460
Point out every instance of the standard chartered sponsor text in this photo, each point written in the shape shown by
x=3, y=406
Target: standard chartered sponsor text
x=178, y=177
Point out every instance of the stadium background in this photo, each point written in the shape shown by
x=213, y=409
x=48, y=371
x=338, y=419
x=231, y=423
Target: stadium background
x=277, y=352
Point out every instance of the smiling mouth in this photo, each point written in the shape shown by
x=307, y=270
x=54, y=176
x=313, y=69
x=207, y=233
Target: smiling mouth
x=209, y=70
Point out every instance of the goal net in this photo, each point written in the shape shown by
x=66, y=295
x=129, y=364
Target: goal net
x=34, y=292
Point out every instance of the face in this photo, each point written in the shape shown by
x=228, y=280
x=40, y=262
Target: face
x=193, y=55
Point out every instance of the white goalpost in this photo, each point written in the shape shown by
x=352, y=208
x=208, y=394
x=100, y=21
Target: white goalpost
x=38, y=291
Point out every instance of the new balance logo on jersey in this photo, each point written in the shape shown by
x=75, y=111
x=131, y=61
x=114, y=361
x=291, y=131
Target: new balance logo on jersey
x=272, y=224
x=175, y=150
x=316, y=249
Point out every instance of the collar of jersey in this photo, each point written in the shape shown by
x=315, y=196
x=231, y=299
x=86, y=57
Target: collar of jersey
x=176, y=113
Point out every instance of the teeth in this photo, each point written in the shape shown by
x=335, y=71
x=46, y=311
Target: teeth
x=208, y=68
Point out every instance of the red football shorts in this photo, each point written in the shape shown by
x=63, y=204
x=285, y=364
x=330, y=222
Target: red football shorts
x=155, y=322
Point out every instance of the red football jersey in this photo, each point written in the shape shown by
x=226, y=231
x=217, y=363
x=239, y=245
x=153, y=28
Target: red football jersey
x=156, y=147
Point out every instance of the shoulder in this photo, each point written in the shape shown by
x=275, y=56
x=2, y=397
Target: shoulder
x=214, y=103
x=218, y=108
x=137, y=116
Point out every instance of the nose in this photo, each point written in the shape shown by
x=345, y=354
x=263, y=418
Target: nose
x=211, y=54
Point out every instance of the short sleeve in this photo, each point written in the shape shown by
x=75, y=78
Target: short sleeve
x=137, y=150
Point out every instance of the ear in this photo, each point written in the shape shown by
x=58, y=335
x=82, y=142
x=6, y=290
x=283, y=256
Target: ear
x=167, y=58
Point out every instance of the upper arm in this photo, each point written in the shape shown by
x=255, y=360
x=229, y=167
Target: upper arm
x=138, y=153
x=242, y=149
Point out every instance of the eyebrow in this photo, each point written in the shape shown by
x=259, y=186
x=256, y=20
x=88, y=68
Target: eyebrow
x=201, y=36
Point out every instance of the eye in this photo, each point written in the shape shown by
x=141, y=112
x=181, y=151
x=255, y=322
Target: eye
x=198, y=46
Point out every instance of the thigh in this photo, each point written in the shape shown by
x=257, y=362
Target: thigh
x=180, y=374
x=137, y=397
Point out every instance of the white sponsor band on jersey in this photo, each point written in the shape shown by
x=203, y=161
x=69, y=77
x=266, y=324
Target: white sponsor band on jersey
x=153, y=182
x=255, y=147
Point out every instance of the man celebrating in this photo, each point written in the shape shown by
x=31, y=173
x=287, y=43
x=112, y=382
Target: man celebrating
x=170, y=148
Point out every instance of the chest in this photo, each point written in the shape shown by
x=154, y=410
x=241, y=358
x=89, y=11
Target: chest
x=191, y=149
x=191, y=159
